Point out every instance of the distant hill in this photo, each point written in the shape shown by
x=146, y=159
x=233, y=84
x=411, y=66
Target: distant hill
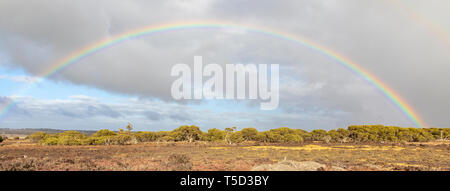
x=30, y=131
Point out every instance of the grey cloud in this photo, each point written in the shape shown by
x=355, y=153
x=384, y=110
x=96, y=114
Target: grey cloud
x=11, y=108
x=180, y=117
x=103, y=110
x=375, y=34
x=152, y=115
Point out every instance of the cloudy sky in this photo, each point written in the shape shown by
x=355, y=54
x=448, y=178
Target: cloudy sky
x=406, y=43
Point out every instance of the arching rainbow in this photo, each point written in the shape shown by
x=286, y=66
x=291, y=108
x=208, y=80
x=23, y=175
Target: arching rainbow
x=438, y=31
x=89, y=50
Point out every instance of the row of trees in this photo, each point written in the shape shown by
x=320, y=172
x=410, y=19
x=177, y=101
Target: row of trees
x=361, y=133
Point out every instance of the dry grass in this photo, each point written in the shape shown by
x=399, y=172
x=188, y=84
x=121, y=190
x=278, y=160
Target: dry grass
x=20, y=155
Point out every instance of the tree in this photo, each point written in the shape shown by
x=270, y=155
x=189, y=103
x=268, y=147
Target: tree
x=165, y=136
x=285, y=135
x=101, y=137
x=187, y=133
x=249, y=134
x=344, y=135
x=334, y=135
x=1, y=139
x=229, y=132
x=235, y=137
x=215, y=135
x=318, y=134
x=293, y=138
x=145, y=136
x=129, y=127
x=273, y=136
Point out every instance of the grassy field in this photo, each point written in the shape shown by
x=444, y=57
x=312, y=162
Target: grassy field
x=22, y=155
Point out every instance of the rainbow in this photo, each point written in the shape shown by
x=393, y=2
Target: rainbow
x=415, y=16
x=100, y=45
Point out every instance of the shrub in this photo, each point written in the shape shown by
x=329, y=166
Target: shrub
x=49, y=141
x=21, y=164
x=104, y=132
x=121, y=139
x=293, y=138
x=215, y=135
x=145, y=136
x=249, y=134
x=37, y=136
x=235, y=137
x=71, y=138
x=356, y=133
x=318, y=135
x=179, y=162
x=187, y=133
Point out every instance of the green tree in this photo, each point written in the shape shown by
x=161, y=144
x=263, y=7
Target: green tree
x=228, y=132
x=101, y=137
x=249, y=134
x=145, y=136
x=318, y=134
x=285, y=134
x=164, y=136
x=235, y=137
x=293, y=138
x=187, y=133
x=344, y=135
x=215, y=135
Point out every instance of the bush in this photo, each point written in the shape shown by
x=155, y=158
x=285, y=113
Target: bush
x=71, y=138
x=179, y=162
x=104, y=132
x=187, y=133
x=293, y=138
x=235, y=137
x=215, y=135
x=121, y=139
x=50, y=141
x=355, y=133
x=318, y=135
x=145, y=136
x=281, y=135
x=37, y=136
x=249, y=134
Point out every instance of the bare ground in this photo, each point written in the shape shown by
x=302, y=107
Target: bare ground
x=21, y=155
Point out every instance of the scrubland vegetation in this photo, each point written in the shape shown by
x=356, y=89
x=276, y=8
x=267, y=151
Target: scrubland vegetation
x=353, y=134
x=365, y=147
